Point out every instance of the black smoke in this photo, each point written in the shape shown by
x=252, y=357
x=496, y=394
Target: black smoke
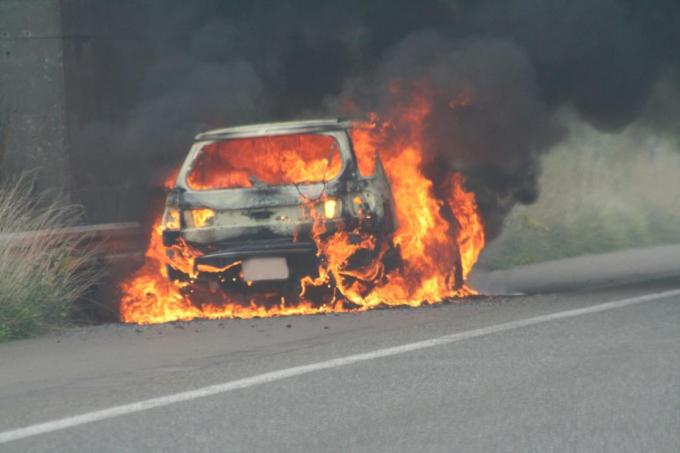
x=515, y=63
x=600, y=57
x=212, y=63
x=486, y=116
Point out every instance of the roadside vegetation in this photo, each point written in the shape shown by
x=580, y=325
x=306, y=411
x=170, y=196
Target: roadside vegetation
x=41, y=275
x=599, y=193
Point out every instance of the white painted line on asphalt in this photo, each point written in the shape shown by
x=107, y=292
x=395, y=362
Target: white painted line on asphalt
x=117, y=411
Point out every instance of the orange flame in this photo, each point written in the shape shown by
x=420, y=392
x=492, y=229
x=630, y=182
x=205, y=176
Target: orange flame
x=150, y=298
x=278, y=159
x=430, y=246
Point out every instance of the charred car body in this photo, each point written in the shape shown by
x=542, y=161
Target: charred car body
x=247, y=199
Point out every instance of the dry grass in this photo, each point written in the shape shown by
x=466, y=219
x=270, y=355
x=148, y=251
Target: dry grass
x=41, y=278
x=599, y=193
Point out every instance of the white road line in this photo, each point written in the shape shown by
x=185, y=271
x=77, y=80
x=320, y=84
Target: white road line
x=117, y=411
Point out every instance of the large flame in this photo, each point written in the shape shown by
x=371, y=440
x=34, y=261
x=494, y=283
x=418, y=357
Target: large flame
x=429, y=244
x=281, y=159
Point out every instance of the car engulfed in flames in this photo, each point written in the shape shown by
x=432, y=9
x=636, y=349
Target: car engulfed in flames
x=252, y=202
x=305, y=217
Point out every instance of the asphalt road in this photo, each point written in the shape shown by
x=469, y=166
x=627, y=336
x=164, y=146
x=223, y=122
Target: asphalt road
x=589, y=271
x=473, y=376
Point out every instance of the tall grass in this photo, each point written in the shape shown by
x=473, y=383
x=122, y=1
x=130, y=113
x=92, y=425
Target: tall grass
x=41, y=275
x=598, y=193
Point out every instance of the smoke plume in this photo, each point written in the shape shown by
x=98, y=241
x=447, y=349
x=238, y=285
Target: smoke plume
x=497, y=71
x=486, y=118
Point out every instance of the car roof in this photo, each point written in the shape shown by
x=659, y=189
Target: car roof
x=283, y=127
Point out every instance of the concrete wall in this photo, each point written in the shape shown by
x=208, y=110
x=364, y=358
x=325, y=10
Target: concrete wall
x=33, y=133
x=105, y=61
x=71, y=70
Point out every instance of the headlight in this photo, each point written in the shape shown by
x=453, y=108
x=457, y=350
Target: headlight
x=202, y=217
x=171, y=220
x=332, y=208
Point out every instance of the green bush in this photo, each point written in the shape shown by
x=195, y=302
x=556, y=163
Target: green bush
x=41, y=274
x=598, y=193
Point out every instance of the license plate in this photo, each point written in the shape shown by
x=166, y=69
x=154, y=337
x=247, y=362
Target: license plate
x=257, y=269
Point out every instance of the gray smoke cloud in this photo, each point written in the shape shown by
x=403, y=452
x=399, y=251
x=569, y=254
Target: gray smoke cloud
x=600, y=57
x=210, y=64
x=486, y=118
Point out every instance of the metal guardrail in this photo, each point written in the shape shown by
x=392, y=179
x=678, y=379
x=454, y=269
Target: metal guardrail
x=112, y=241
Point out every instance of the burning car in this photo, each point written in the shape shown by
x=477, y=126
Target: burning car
x=251, y=203
x=307, y=217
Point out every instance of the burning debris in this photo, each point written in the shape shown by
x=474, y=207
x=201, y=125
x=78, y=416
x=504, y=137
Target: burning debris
x=374, y=241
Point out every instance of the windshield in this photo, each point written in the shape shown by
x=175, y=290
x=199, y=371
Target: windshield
x=270, y=160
